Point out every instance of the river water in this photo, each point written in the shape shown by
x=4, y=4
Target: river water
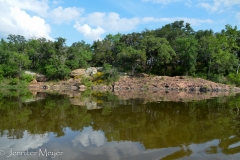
x=102, y=126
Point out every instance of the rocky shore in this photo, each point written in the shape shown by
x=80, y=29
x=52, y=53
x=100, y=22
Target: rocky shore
x=140, y=82
x=144, y=87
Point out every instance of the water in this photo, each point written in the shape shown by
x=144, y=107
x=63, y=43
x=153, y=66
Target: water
x=101, y=126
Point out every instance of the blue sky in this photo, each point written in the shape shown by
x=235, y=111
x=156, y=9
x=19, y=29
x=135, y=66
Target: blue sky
x=90, y=20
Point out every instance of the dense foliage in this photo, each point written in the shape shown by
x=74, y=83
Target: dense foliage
x=174, y=49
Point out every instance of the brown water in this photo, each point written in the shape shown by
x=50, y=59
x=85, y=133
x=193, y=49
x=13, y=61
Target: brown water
x=102, y=126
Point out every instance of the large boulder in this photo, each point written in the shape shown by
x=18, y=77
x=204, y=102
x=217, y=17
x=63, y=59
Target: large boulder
x=78, y=72
x=91, y=71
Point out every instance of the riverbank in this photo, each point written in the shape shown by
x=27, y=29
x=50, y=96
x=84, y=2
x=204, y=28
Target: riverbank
x=140, y=82
x=145, y=87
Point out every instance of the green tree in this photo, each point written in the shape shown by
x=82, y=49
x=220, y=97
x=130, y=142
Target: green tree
x=158, y=51
x=79, y=55
x=110, y=74
x=131, y=58
x=56, y=67
x=105, y=50
x=187, y=53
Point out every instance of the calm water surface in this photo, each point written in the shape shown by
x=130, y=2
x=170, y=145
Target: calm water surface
x=102, y=126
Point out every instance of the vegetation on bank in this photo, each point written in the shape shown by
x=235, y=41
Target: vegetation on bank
x=174, y=49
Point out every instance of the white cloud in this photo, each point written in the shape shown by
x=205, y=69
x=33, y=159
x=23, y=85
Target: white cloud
x=192, y=21
x=218, y=5
x=16, y=21
x=88, y=32
x=110, y=22
x=90, y=137
x=60, y=14
x=37, y=6
x=161, y=1
x=187, y=3
x=56, y=2
x=24, y=143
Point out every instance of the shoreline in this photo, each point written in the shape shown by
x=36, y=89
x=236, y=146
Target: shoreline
x=144, y=83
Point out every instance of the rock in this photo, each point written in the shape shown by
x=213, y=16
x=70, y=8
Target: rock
x=41, y=78
x=78, y=72
x=34, y=85
x=82, y=87
x=34, y=81
x=91, y=71
x=74, y=87
x=30, y=73
x=56, y=87
x=45, y=87
x=142, y=75
x=92, y=105
x=77, y=101
x=99, y=69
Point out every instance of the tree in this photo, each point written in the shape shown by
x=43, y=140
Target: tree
x=187, y=53
x=110, y=75
x=56, y=67
x=172, y=32
x=215, y=55
x=158, y=51
x=13, y=56
x=79, y=55
x=105, y=51
x=131, y=57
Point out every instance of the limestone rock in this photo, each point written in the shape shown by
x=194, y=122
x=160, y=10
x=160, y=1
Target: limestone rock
x=91, y=71
x=30, y=73
x=82, y=87
x=78, y=72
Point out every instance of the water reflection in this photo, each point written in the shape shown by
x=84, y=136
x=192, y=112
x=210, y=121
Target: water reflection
x=113, y=128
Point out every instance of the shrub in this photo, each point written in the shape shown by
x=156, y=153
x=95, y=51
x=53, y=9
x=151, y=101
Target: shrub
x=26, y=77
x=234, y=79
x=98, y=77
x=14, y=81
x=110, y=75
x=86, y=81
x=217, y=78
x=201, y=75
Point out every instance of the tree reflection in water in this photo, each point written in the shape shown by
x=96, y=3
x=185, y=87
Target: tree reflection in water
x=154, y=125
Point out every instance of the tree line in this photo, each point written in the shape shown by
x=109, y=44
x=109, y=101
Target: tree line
x=173, y=49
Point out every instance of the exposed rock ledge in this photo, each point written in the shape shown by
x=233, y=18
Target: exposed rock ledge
x=141, y=82
x=178, y=83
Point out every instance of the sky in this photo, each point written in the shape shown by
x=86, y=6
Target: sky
x=90, y=20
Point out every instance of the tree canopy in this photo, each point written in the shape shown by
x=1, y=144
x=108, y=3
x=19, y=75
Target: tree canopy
x=173, y=49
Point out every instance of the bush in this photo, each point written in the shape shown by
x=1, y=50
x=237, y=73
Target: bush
x=26, y=77
x=98, y=77
x=201, y=75
x=86, y=81
x=217, y=78
x=110, y=75
x=14, y=81
x=234, y=79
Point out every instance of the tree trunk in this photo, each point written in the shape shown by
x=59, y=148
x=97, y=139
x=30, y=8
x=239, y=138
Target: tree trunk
x=149, y=70
x=133, y=69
